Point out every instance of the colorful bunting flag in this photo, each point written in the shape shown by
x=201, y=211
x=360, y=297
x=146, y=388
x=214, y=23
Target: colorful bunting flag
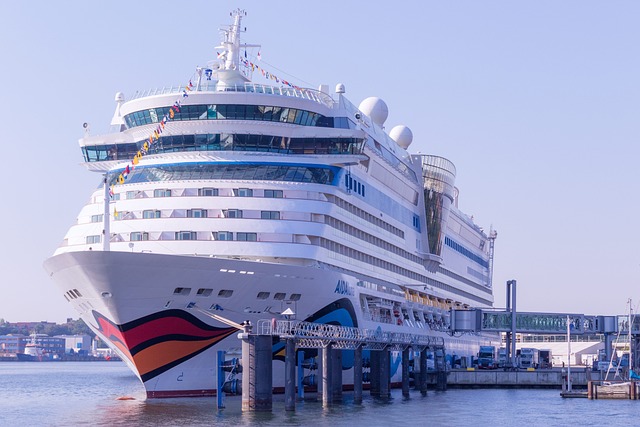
x=175, y=108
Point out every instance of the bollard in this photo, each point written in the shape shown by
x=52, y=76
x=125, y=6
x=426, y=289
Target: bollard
x=357, y=375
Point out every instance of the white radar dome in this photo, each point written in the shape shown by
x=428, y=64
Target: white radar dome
x=402, y=135
x=375, y=108
x=119, y=97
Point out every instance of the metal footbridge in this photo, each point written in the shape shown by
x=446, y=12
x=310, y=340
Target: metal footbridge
x=481, y=320
x=318, y=335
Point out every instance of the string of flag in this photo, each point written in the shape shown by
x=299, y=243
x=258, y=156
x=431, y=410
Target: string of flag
x=175, y=108
x=153, y=137
x=266, y=74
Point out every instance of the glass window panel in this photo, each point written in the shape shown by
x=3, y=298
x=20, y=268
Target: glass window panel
x=211, y=112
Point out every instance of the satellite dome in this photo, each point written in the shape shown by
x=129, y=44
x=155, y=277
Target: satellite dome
x=376, y=109
x=119, y=97
x=402, y=135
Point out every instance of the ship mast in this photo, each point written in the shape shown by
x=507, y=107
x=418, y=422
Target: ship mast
x=228, y=72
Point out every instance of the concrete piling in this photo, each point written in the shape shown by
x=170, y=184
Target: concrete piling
x=257, y=376
x=374, y=374
x=357, y=375
x=385, y=374
x=423, y=372
x=327, y=377
x=405, y=372
x=290, y=375
x=336, y=375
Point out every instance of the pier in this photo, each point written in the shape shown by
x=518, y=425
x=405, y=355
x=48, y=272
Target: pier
x=255, y=366
x=330, y=340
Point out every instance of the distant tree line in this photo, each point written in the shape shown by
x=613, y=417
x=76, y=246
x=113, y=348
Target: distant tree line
x=73, y=327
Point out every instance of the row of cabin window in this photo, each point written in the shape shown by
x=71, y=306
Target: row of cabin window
x=199, y=213
x=226, y=293
x=138, y=236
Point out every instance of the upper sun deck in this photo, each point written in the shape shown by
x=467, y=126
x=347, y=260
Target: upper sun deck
x=248, y=87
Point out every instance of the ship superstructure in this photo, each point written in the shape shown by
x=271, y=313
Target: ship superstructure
x=251, y=200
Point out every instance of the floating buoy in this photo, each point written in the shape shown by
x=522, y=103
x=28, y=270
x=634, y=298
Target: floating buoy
x=126, y=398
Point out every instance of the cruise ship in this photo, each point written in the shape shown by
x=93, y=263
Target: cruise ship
x=256, y=199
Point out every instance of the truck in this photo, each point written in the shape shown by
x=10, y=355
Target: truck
x=487, y=357
x=546, y=359
x=529, y=358
x=502, y=358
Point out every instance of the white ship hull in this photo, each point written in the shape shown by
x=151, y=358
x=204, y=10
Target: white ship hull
x=129, y=300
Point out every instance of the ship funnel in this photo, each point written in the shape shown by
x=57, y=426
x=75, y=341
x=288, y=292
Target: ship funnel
x=438, y=176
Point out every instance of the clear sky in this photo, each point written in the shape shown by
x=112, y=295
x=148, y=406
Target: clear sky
x=536, y=103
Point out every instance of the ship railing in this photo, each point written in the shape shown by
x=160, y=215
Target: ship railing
x=304, y=93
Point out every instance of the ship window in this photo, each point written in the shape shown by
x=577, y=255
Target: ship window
x=225, y=293
x=96, y=218
x=196, y=213
x=211, y=112
x=138, y=236
x=186, y=235
x=161, y=193
x=263, y=295
x=94, y=239
x=191, y=305
x=182, y=291
x=275, y=194
x=243, y=192
x=232, y=213
x=131, y=194
x=279, y=296
x=295, y=297
x=247, y=237
x=270, y=215
x=207, y=192
x=150, y=214
x=223, y=235
x=77, y=292
x=204, y=292
x=341, y=122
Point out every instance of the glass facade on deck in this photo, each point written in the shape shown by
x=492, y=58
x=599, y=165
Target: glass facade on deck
x=248, y=171
x=226, y=142
x=265, y=113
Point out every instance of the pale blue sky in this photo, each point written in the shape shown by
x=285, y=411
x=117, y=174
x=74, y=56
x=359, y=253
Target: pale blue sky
x=536, y=103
